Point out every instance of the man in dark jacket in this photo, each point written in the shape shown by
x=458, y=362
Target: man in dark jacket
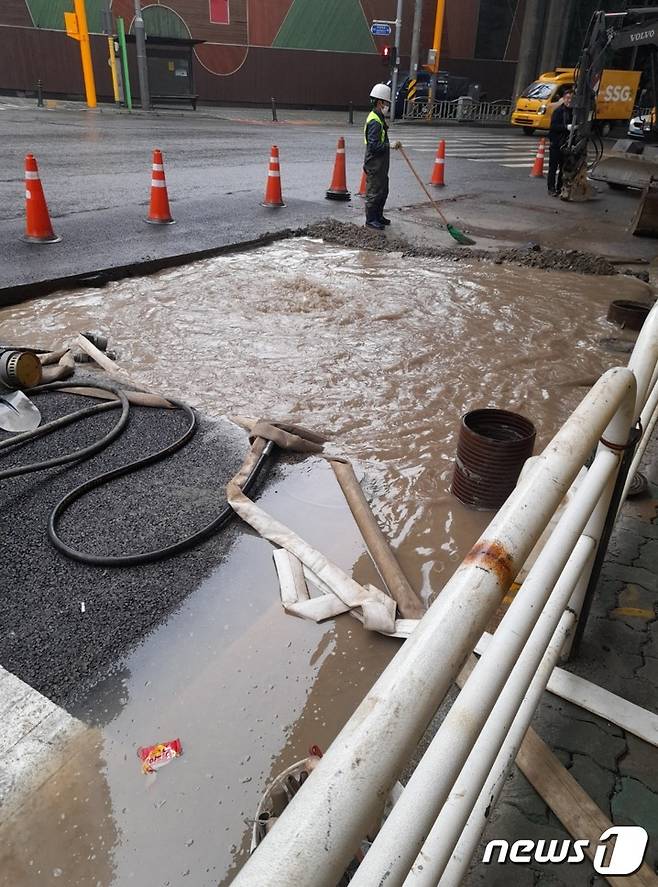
x=558, y=136
x=378, y=151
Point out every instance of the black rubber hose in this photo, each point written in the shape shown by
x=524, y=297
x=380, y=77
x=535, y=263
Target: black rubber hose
x=129, y=560
x=85, y=452
x=148, y=557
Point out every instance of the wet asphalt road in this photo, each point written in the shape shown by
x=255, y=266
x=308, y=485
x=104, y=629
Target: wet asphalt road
x=95, y=168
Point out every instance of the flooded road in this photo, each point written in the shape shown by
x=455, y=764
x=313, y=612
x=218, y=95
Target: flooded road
x=383, y=354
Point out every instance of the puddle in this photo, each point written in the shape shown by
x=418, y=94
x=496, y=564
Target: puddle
x=246, y=688
x=385, y=355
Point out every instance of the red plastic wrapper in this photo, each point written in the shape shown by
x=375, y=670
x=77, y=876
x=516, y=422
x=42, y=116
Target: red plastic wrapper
x=153, y=757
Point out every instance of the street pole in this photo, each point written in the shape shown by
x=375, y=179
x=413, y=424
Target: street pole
x=108, y=23
x=76, y=28
x=436, y=49
x=415, y=38
x=394, y=79
x=142, y=64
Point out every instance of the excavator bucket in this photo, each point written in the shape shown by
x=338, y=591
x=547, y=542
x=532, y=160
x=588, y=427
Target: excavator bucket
x=645, y=221
x=628, y=164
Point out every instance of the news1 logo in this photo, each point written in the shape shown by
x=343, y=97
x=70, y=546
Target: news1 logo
x=624, y=847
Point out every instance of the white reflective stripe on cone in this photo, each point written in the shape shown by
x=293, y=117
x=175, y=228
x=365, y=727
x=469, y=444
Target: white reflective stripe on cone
x=274, y=174
x=28, y=196
x=157, y=183
x=340, y=150
x=31, y=175
x=158, y=167
x=439, y=160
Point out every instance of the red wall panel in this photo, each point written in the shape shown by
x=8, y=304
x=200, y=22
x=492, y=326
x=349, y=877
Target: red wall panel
x=219, y=12
x=265, y=19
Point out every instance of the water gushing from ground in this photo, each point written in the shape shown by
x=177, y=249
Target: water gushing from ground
x=384, y=354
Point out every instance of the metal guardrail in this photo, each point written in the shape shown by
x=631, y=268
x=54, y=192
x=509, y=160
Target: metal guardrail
x=318, y=833
x=463, y=109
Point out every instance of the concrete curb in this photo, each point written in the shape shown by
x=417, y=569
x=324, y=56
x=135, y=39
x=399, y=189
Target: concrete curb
x=33, y=733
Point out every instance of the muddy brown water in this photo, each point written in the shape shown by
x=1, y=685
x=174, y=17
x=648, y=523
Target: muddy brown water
x=383, y=354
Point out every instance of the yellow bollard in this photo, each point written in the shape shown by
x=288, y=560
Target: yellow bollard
x=112, y=61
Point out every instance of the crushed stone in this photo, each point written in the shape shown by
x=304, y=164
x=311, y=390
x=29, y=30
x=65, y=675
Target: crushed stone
x=532, y=256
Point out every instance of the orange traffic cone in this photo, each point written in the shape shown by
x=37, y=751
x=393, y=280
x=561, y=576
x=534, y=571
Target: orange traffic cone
x=538, y=166
x=38, y=228
x=438, y=170
x=273, y=195
x=338, y=188
x=159, y=212
x=362, y=187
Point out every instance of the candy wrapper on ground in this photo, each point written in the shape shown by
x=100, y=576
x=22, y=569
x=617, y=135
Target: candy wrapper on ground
x=153, y=757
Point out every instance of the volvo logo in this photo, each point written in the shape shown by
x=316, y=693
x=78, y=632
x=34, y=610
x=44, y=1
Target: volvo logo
x=643, y=35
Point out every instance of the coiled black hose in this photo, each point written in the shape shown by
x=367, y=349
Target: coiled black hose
x=127, y=560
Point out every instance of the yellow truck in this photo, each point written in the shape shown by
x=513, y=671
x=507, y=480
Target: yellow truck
x=614, y=103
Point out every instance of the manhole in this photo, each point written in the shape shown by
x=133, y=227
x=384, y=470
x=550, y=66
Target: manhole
x=627, y=314
x=491, y=450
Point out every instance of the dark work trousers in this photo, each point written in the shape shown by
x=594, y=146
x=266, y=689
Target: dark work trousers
x=555, y=159
x=376, y=170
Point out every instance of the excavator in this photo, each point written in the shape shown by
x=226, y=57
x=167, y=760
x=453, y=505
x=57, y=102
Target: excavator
x=629, y=164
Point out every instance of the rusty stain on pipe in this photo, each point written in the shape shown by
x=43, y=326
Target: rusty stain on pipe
x=493, y=558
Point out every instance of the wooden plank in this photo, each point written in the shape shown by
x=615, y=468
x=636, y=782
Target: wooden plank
x=607, y=705
x=571, y=804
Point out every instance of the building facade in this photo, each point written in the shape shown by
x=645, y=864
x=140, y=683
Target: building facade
x=301, y=52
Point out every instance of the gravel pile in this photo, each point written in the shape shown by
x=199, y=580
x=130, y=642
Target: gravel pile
x=532, y=256
x=48, y=638
x=555, y=260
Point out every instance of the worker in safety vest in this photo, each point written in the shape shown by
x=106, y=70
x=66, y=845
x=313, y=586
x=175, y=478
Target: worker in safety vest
x=377, y=157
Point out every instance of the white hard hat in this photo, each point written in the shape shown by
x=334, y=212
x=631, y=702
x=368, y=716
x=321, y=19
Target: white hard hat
x=381, y=91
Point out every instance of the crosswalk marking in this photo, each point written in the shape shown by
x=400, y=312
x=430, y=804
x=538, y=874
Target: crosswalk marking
x=488, y=151
x=499, y=156
x=506, y=149
x=471, y=139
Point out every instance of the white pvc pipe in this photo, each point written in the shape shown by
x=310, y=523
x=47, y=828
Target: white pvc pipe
x=443, y=837
x=394, y=850
x=462, y=855
x=648, y=418
x=594, y=529
x=318, y=832
x=644, y=358
x=617, y=433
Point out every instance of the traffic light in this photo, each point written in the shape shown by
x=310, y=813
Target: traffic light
x=389, y=56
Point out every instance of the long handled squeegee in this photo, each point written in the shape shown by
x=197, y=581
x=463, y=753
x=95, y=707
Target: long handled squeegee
x=455, y=233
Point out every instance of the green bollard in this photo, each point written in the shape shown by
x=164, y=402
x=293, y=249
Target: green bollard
x=124, y=63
